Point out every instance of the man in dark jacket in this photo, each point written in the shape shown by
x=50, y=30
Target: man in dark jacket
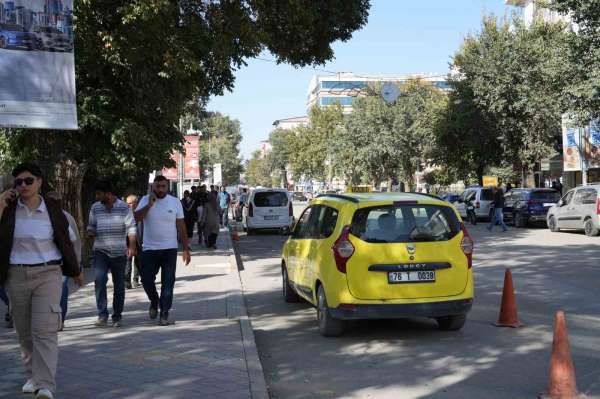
x=498, y=215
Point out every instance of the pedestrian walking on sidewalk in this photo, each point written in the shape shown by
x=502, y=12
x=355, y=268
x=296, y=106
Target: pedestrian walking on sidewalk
x=497, y=215
x=134, y=264
x=64, y=299
x=211, y=222
x=111, y=227
x=163, y=219
x=7, y=317
x=190, y=214
x=201, y=198
x=36, y=250
x=224, y=202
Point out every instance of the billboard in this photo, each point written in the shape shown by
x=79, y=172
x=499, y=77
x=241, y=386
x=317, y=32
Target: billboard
x=191, y=161
x=572, y=159
x=37, y=67
x=192, y=158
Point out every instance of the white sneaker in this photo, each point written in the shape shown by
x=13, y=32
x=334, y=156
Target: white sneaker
x=44, y=394
x=29, y=387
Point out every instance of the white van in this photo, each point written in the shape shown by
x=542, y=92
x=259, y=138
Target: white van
x=268, y=208
x=481, y=197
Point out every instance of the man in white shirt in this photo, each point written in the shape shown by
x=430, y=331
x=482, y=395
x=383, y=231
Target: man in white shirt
x=163, y=219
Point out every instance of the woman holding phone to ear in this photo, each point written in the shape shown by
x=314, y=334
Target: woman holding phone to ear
x=36, y=250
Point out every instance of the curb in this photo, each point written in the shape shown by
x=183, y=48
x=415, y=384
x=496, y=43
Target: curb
x=236, y=309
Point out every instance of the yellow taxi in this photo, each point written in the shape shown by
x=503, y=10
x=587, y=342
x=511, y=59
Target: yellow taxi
x=380, y=255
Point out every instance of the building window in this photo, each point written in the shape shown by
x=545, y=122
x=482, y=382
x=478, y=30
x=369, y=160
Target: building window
x=346, y=101
x=345, y=85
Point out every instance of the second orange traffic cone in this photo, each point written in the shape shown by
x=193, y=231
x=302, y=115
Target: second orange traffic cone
x=508, y=309
x=562, y=383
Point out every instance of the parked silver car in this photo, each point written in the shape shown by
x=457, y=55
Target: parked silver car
x=578, y=209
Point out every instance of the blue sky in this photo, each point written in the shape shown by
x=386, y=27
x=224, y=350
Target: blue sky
x=401, y=37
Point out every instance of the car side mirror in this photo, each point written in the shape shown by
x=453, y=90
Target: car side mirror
x=460, y=200
x=560, y=203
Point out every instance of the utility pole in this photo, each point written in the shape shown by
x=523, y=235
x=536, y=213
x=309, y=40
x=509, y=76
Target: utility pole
x=180, y=166
x=582, y=156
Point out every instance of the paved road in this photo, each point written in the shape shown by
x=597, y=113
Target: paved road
x=411, y=358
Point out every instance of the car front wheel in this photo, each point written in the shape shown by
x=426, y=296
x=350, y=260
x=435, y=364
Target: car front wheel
x=589, y=228
x=328, y=326
x=289, y=295
x=451, y=323
x=552, y=225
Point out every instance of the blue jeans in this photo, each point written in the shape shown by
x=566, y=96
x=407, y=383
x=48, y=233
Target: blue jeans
x=497, y=217
x=164, y=260
x=64, y=299
x=102, y=264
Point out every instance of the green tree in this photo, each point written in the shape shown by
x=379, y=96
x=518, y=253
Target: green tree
x=381, y=142
x=258, y=170
x=140, y=64
x=281, y=141
x=311, y=152
x=219, y=143
x=584, y=56
x=515, y=76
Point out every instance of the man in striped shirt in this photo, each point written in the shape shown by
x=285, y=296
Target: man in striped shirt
x=111, y=222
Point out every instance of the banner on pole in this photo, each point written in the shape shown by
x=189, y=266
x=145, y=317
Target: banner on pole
x=37, y=67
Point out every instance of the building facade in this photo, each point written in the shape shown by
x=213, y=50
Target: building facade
x=344, y=88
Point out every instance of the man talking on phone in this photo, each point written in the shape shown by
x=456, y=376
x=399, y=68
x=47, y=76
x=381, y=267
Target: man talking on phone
x=163, y=219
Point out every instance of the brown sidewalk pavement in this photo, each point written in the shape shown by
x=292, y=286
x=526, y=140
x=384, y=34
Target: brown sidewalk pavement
x=208, y=353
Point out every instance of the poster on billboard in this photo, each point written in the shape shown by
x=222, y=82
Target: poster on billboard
x=192, y=158
x=572, y=160
x=37, y=67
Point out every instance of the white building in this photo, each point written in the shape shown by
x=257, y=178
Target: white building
x=531, y=10
x=290, y=123
x=344, y=87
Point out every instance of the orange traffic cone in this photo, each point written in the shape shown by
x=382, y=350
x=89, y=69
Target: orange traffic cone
x=562, y=383
x=508, y=308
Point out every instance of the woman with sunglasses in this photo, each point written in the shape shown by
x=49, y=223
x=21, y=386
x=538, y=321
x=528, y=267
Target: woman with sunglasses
x=36, y=249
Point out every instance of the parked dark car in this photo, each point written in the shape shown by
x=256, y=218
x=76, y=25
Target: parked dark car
x=14, y=36
x=528, y=205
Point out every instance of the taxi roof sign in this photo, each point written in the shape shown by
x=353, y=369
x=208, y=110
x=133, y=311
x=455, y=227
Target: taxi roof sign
x=363, y=188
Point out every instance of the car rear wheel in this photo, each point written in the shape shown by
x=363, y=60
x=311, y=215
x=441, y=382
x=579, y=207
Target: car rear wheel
x=552, y=225
x=289, y=295
x=451, y=323
x=589, y=228
x=328, y=326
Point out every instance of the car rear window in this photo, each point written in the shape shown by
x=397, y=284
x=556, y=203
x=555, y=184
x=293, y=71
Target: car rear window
x=405, y=223
x=548, y=196
x=270, y=199
x=487, y=195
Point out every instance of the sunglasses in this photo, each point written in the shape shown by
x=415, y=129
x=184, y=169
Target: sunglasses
x=28, y=181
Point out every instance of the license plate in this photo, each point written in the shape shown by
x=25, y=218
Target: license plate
x=427, y=276
x=547, y=205
x=271, y=217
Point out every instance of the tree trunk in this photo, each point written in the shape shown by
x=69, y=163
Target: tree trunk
x=68, y=183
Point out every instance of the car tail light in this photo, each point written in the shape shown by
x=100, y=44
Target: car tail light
x=250, y=210
x=467, y=244
x=477, y=205
x=343, y=249
x=291, y=209
x=598, y=206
